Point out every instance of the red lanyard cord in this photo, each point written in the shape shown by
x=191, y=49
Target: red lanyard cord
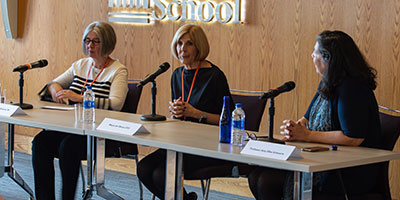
x=191, y=87
x=104, y=66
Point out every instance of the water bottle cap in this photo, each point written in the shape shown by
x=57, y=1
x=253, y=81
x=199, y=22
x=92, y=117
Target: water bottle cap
x=89, y=87
x=238, y=105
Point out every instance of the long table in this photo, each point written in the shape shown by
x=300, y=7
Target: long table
x=179, y=137
x=37, y=118
x=64, y=121
x=97, y=144
x=200, y=139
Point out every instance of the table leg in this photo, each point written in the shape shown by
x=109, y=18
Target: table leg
x=89, y=156
x=2, y=152
x=9, y=168
x=173, y=176
x=302, y=188
x=100, y=165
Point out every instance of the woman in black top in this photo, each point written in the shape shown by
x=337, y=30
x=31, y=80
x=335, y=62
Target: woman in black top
x=198, y=89
x=344, y=111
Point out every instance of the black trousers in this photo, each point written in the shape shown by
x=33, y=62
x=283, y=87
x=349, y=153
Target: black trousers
x=70, y=149
x=151, y=169
x=268, y=183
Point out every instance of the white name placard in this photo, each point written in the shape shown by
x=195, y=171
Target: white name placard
x=121, y=127
x=270, y=150
x=10, y=110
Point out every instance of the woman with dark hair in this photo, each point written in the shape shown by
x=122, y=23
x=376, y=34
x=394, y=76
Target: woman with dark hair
x=197, y=88
x=109, y=80
x=344, y=111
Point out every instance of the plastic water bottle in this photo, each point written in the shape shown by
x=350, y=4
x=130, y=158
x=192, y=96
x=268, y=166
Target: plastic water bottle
x=238, y=117
x=88, y=105
x=225, y=123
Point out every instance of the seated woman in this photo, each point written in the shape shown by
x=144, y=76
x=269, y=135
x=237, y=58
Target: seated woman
x=109, y=80
x=344, y=111
x=198, y=89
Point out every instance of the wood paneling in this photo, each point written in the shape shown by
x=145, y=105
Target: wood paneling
x=272, y=47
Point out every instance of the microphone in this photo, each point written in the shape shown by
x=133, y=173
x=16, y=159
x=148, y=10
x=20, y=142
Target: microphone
x=276, y=91
x=37, y=64
x=161, y=69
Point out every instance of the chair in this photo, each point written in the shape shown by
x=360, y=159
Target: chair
x=390, y=129
x=254, y=108
x=118, y=149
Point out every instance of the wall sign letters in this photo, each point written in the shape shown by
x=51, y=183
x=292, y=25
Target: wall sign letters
x=147, y=11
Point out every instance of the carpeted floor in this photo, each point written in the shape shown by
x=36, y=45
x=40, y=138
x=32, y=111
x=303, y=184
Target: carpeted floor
x=123, y=184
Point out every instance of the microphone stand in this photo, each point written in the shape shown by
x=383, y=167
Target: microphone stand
x=21, y=95
x=271, y=112
x=153, y=116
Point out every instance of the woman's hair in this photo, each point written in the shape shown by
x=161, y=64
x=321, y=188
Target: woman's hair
x=344, y=59
x=106, y=34
x=198, y=38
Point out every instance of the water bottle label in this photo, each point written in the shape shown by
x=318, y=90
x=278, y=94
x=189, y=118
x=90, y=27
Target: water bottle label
x=239, y=124
x=88, y=104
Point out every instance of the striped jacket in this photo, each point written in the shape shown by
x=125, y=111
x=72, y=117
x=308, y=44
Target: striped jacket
x=110, y=87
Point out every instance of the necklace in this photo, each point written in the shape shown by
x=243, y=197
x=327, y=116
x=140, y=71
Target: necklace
x=191, y=87
x=104, y=66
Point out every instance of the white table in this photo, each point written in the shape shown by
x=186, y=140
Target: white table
x=64, y=121
x=199, y=139
x=99, y=147
x=183, y=137
x=38, y=118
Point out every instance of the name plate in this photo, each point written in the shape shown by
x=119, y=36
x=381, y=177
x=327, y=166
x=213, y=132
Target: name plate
x=271, y=150
x=121, y=127
x=10, y=110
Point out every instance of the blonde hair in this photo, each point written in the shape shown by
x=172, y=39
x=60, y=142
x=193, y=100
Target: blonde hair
x=198, y=38
x=106, y=34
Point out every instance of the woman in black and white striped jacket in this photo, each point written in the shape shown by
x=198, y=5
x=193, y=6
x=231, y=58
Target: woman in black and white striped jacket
x=109, y=81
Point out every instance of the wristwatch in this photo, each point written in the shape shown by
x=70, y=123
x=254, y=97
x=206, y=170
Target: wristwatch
x=203, y=118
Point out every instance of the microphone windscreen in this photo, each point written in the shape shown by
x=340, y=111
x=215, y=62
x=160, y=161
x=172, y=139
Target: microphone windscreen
x=44, y=62
x=290, y=85
x=165, y=66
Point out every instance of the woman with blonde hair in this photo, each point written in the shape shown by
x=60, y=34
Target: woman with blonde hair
x=197, y=88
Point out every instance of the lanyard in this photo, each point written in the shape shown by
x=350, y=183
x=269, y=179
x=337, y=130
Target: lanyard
x=104, y=66
x=191, y=87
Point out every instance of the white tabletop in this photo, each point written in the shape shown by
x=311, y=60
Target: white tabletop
x=201, y=139
x=59, y=120
x=197, y=139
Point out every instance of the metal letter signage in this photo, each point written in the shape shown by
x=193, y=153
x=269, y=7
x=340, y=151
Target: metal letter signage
x=147, y=11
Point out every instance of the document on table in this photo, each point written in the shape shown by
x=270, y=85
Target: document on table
x=58, y=107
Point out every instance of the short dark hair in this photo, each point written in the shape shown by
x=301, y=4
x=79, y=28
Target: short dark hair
x=106, y=35
x=344, y=59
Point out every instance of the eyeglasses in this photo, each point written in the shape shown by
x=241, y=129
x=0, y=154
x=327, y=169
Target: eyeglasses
x=95, y=41
x=253, y=136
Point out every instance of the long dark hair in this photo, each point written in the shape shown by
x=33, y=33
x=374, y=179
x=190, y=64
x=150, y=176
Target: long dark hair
x=344, y=60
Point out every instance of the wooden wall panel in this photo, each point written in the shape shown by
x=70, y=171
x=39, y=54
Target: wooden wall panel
x=272, y=47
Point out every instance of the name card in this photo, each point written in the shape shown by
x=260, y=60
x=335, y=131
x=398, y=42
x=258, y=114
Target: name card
x=271, y=150
x=10, y=110
x=121, y=127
